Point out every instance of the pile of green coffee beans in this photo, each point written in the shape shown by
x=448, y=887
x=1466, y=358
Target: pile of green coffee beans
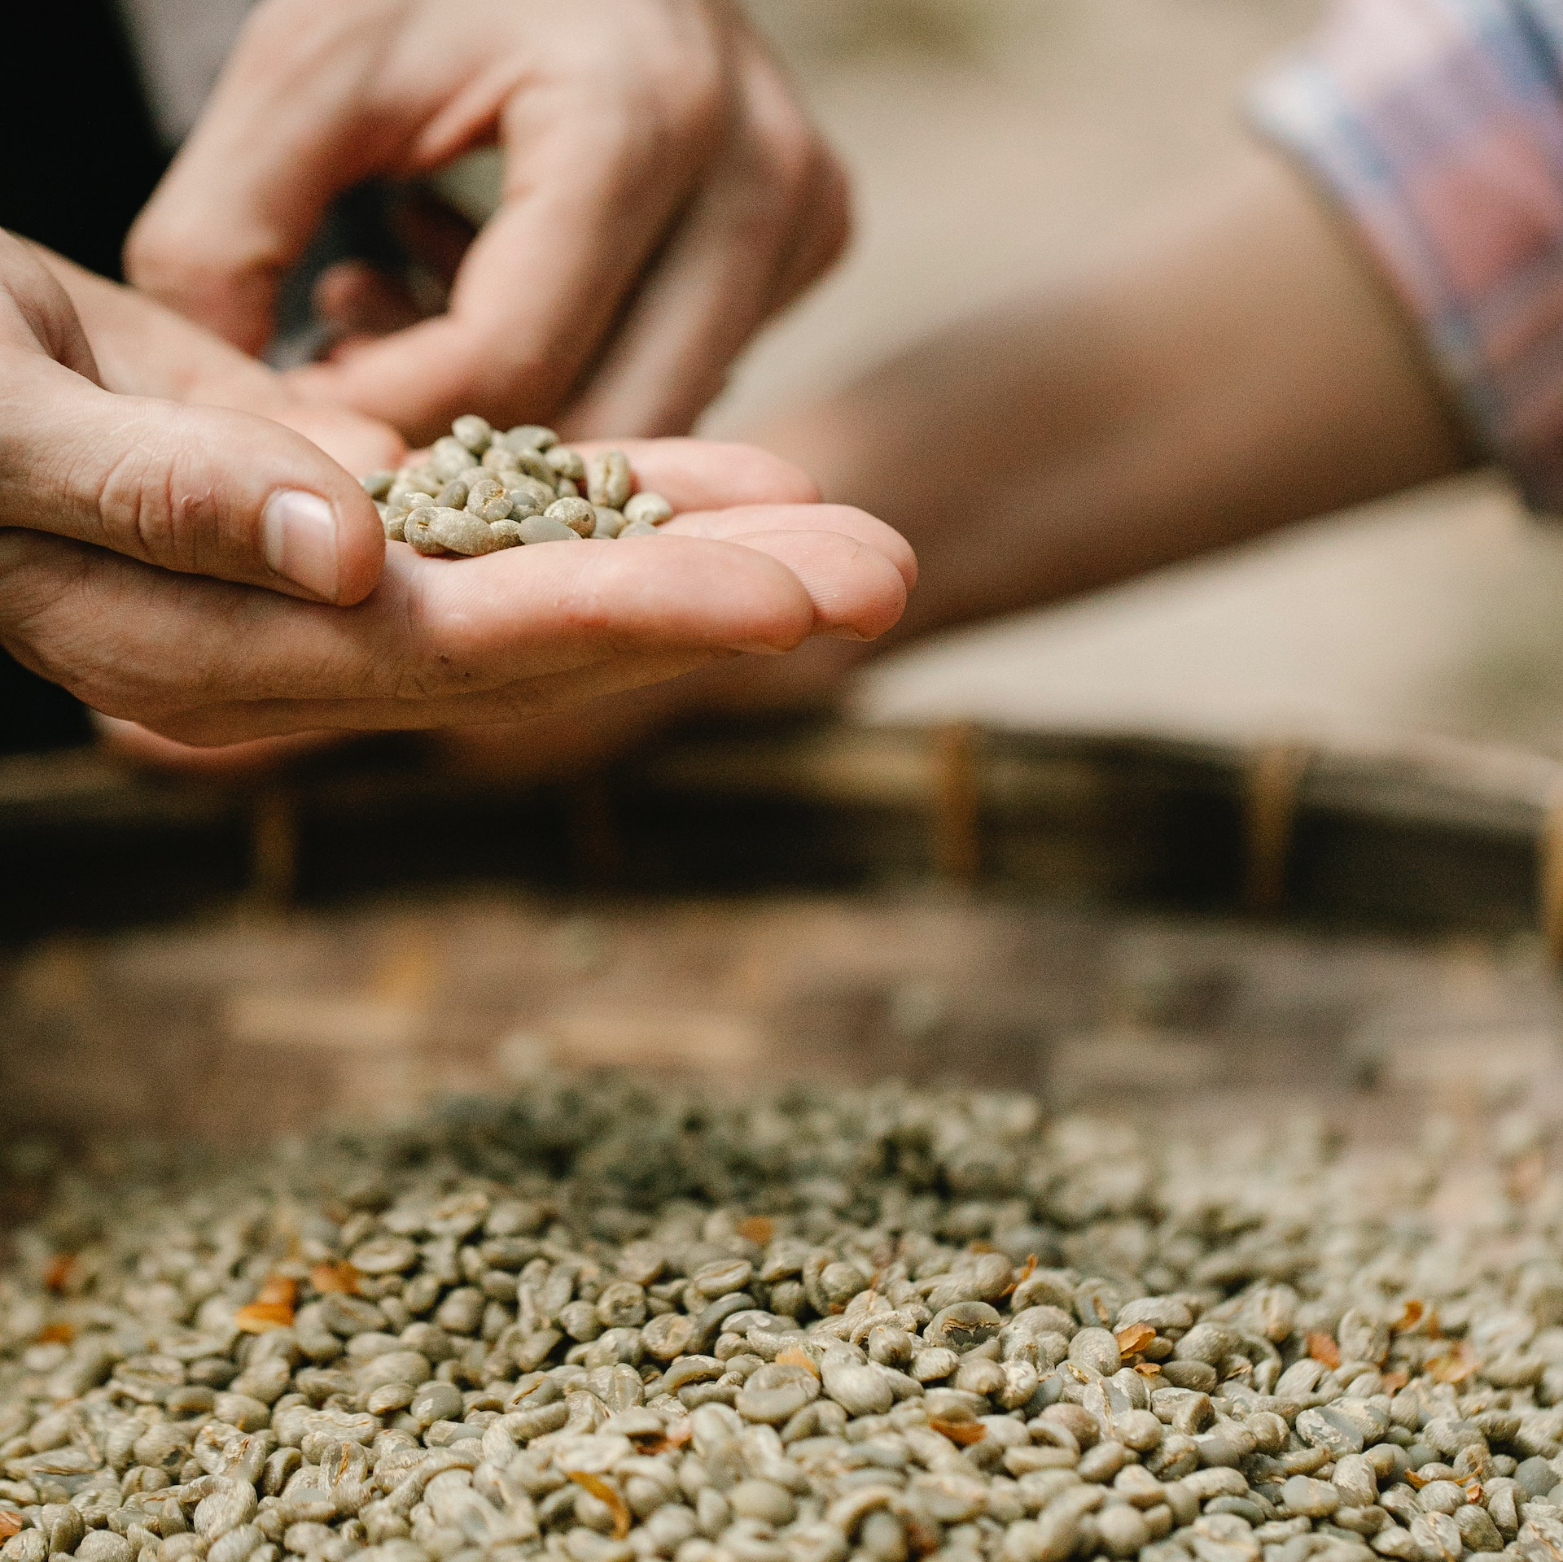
x=608, y=1321
x=478, y=491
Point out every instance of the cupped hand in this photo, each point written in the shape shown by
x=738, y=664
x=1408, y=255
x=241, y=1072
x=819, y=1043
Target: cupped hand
x=751, y=565
x=663, y=194
x=96, y=447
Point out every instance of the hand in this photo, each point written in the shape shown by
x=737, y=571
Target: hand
x=143, y=349
x=87, y=454
x=750, y=565
x=663, y=195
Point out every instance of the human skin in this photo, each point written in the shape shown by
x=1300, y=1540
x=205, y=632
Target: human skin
x=1231, y=363
x=663, y=195
x=143, y=565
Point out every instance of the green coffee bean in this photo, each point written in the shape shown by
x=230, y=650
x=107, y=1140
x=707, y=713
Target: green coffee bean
x=608, y=479
x=501, y=458
x=648, y=506
x=535, y=464
x=449, y=458
x=478, y=491
x=530, y=436
x=543, y=528
x=473, y=432
x=487, y=500
x=567, y=463
x=577, y=514
x=529, y=491
x=415, y=530
x=460, y=533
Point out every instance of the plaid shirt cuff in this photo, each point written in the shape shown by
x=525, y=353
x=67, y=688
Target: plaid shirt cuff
x=1437, y=125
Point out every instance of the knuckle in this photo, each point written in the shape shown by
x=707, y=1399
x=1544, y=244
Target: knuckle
x=149, y=508
x=140, y=514
x=701, y=103
x=831, y=205
x=691, y=90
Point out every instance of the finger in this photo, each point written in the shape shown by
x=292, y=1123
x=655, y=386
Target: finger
x=298, y=115
x=244, y=724
x=739, y=523
x=194, y=489
x=354, y=442
x=857, y=592
x=134, y=642
x=591, y=190
x=36, y=310
x=770, y=217
x=434, y=234
x=707, y=474
x=144, y=749
x=821, y=241
x=144, y=349
x=355, y=300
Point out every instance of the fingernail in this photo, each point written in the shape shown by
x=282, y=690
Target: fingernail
x=298, y=533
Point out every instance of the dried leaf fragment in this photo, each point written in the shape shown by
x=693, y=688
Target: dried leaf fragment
x=1026, y=1270
x=963, y=1432
x=603, y=1492
x=759, y=1229
x=57, y=1334
x=61, y=1271
x=1322, y=1347
x=10, y=1523
x=1410, y=1316
x=272, y=1307
x=1455, y=1367
x=261, y=1317
x=277, y=1291
x=793, y=1357
x=339, y=1278
x=1134, y=1338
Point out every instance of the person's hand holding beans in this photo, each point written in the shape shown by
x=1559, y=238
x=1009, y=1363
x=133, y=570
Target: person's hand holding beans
x=747, y=565
x=99, y=452
x=663, y=195
x=153, y=555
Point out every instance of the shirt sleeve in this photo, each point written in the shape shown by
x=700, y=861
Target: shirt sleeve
x=1437, y=126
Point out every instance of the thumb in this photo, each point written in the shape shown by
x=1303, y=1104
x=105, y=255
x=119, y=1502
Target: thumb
x=201, y=490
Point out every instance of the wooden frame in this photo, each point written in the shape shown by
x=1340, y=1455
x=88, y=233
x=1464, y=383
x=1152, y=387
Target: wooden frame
x=1436, y=837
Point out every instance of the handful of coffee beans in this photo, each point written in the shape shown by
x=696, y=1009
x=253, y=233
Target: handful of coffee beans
x=478, y=491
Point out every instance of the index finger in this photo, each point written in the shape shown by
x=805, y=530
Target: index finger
x=589, y=194
x=738, y=523
x=708, y=474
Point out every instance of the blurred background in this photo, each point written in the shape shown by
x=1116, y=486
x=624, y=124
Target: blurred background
x=996, y=141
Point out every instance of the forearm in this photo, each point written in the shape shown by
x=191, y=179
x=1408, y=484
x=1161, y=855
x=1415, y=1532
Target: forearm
x=1227, y=373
